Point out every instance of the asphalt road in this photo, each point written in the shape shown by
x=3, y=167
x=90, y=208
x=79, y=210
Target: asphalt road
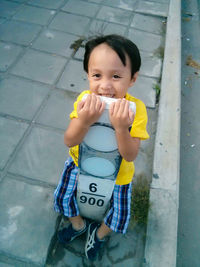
x=188, y=251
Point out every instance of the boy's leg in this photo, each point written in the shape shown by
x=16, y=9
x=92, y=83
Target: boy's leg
x=77, y=227
x=65, y=193
x=77, y=222
x=94, y=243
x=103, y=231
x=95, y=239
x=65, y=203
x=116, y=220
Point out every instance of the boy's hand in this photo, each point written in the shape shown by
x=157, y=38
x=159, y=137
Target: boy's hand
x=90, y=109
x=121, y=116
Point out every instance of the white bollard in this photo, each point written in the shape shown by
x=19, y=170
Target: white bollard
x=99, y=162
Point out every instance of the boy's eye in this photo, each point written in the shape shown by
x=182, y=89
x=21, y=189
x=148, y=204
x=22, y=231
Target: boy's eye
x=116, y=76
x=96, y=75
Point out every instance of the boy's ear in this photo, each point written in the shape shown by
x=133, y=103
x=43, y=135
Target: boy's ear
x=134, y=78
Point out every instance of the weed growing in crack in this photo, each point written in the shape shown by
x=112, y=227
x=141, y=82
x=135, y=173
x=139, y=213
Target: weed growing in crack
x=140, y=202
x=156, y=87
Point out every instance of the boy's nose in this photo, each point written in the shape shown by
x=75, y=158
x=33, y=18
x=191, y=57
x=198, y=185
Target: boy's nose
x=106, y=90
x=105, y=85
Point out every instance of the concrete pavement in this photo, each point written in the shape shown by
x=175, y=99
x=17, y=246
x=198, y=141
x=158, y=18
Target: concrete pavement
x=41, y=76
x=161, y=241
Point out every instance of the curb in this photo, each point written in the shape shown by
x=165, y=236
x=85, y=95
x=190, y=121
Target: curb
x=161, y=238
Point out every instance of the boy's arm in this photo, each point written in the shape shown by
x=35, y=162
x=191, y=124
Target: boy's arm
x=128, y=146
x=121, y=118
x=75, y=133
x=89, y=111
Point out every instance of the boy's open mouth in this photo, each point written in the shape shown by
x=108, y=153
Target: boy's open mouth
x=107, y=95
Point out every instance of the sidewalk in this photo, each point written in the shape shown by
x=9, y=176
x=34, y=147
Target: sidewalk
x=41, y=76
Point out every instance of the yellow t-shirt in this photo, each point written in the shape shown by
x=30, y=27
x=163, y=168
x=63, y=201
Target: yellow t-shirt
x=138, y=129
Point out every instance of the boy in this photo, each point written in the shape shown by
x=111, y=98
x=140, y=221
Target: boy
x=112, y=63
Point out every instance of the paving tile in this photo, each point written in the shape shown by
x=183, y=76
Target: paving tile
x=145, y=41
x=115, y=15
x=119, y=241
x=8, y=54
x=161, y=1
x=73, y=78
x=3, y=264
x=8, y=9
x=103, y=27
x=18, y=32
x=136, y=262
x=75, y=260
x=2, y=20
x=70, y=23
x=147, y=146
x=123, y=249
x=124, y=4
x=57, y=109
x=149, y=23
x=55, y=42
x=80, y=53
x=151, y=65
x=81, y=8
x=144, y=90
x=21, y=98
x=20, y=1
x=27, y=220
x=154, y=8
x=144, y=160
x=42, y=156
x=39, y=66
x=34, y=15
x=47, y=3
x=10, y=134
x=96, y=1
x=142, y=165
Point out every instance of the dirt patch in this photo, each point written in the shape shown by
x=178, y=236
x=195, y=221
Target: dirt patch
x=192, y=63
x=77, y=44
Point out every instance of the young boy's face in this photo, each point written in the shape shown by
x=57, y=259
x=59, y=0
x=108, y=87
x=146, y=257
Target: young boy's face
x=106, y=73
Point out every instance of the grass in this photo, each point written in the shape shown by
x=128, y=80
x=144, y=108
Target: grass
x=159, y=52
x=156, y=87
x=140, y=202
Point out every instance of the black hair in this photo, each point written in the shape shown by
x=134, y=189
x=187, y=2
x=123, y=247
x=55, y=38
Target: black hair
x=120, y=45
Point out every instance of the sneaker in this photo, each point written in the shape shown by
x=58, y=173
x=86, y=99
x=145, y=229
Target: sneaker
x=68, y=234
x=93, y=244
